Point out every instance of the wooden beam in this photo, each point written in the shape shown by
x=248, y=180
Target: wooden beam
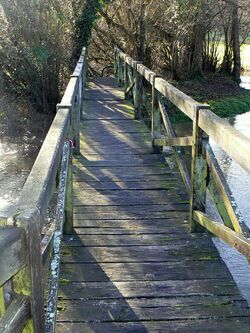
x=238, y=241
x=13, y=252
x=16, y=317
x=234, y=220
x=178, y=141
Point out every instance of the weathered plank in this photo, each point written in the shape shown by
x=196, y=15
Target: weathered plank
x=194, y=326
x=13, y=252
x=128, y=240
x=165, y=253
x=203, y=269
x=153, y=309
x=134, y=289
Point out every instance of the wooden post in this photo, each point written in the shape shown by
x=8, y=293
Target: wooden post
x=29, y=281
x=115, y=63
x=119, y=71
x=155, y=118
x=199, y=175
x=137, y=92
x=68, y=207
x=125, y=78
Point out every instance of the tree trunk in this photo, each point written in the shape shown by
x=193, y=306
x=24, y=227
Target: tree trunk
x=142, y=33
x=236, y=42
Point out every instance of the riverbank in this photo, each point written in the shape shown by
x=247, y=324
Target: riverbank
x=226, y=98
x=22, y=132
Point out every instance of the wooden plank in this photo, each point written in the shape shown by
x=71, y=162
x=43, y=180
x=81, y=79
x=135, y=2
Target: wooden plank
x=195, y=326
x=95, y=185
x=134, y=289
x=138, y=254
x=17, y=315
x=178, y=141
x=92, y=198
x=202, y=269
x=239, y=242
x=192, y=308
x=13, y=252
x=177, y=224
x=107, y=240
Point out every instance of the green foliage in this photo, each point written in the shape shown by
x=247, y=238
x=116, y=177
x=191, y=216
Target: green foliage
x=35, y=39
x=84, y=24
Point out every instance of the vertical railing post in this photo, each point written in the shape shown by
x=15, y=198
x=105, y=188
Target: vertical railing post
x=155, y=118
x=84, y=80
x=125, y=77
x=68, y=207
x=119, y=71
x=137, y=91
x=199, y=174
x=76, y=115
x=115, y=63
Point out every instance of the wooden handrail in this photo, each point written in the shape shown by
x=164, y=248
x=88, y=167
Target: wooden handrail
x=205, y=170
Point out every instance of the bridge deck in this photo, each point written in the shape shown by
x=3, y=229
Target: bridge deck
x=131, y=265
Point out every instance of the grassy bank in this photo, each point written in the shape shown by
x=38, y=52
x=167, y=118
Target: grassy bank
x=226, y=97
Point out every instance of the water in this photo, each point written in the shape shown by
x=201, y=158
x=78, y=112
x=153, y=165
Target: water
x=239, y=183
x=16, y=161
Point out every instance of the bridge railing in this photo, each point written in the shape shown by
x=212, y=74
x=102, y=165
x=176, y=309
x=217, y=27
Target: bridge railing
x=148, y=92
x=26, y=244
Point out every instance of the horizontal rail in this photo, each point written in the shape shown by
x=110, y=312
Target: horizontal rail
x=38, y=186
x=234, y=143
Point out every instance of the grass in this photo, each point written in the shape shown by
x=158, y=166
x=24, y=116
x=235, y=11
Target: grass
x=230, y=106
x=225, y=97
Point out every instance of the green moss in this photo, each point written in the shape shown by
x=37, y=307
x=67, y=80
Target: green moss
x=64, y=281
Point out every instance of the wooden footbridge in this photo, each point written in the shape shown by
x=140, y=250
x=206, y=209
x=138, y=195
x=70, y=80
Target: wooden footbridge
x=129, y=248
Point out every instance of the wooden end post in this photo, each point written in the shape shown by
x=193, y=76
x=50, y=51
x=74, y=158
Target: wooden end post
x=29, y=281
x=155, y=118
x=199, y=174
